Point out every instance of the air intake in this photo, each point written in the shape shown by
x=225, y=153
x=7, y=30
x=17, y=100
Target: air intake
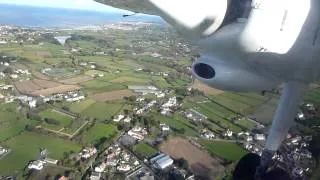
x=204, y=71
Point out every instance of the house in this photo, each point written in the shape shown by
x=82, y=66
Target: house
x=3, y=151
x=127, y=119
x=100, y=168
x=87, y=152
x=118, y=118
x=37, y=165
x=300, y=116
x=165, y=111
x=249, y=138
x=206, y=134
x=259, y=137
x=32, y=103
x=164, y=127
x=228, y=133
x=95, y=176
x=124, y=167
x=161, y=161
x=194, y=115
x=137, y=133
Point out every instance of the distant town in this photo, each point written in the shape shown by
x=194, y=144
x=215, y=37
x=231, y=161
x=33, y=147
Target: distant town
x=118, y=101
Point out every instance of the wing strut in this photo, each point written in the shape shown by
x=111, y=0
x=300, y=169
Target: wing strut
x=283, y=118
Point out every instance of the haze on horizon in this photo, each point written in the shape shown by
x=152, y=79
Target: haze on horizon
x=89, y=5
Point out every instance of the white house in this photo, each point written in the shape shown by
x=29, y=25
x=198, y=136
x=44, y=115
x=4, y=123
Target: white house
x=100, y=168
x=37, y=165
x=259, y=137
x=127, y=119
x=164, y=127
x=124, y=167
x=228, y=133
x=118, y=118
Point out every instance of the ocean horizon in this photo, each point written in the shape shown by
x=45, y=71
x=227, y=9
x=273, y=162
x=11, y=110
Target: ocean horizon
x=31, y=16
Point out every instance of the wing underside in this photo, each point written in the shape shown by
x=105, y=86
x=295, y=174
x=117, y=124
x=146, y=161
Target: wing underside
x=139, y=6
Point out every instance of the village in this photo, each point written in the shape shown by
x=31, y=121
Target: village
x=118, y=116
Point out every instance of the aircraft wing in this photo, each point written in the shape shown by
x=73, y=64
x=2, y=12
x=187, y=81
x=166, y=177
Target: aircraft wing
x=138, y=6
x=209, y=15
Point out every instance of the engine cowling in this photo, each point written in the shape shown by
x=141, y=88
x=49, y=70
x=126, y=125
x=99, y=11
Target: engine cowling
x=224, y=75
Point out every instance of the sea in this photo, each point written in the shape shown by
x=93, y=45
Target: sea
x=31, y=16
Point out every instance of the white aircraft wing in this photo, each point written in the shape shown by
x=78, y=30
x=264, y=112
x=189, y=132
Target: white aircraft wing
x=209, y=15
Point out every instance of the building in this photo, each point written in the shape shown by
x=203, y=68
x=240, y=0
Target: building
x=51, y=161
x=127, y=119
x=228, y=133
x=95, y=176
x=118, y=118
x=164, y=127
x=37, y=165
x=87, y=152
x=137, y=133
x=124, y=167
x=100, y=168
x=206, y=134
x=259, y=137
x=194, y=115
x=161, y=161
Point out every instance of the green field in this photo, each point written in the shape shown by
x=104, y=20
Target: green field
x=100, y=130
x=144, y=149
x=26, y=147
x=215, y=113
x=226, y=150
x=64, y=119
x=102, y=111
x=179, y=123
x=11, y=123
x=81, y=106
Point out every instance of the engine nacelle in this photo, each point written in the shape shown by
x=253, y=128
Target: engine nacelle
x=221, y=74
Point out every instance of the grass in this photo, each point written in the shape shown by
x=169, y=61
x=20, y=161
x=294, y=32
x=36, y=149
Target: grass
x=102, y=111
x=11, y=123
x=81, y=106
x=130, y=80
x=100, y=130
x=312, y=96
x=144, y=149
x=26, y=147
x=64, y=120
x=226, y=150
x=215, y=113
x=178, y=123
x=246, y=123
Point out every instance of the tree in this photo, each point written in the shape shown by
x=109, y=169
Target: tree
x=182, y=163
x=66, y=108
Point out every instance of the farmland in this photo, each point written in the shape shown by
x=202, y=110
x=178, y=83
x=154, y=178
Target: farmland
x=200, y=162
x=111, y=95
x=144, y=150
x=226, y=150
x=99, y=131
x=101, y=110
x=63, y=119
x=23, y=151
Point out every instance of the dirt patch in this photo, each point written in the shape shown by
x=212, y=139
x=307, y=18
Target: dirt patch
x=45, y=83
x=111, y=95
x=200, y=162
x=39, y=87
x=44, y=53
x=40, y=75
x=207, y=90
x=77, y=80
x=54, y=90
x=27, y=86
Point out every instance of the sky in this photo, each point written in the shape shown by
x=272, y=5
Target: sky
x=69, y=4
